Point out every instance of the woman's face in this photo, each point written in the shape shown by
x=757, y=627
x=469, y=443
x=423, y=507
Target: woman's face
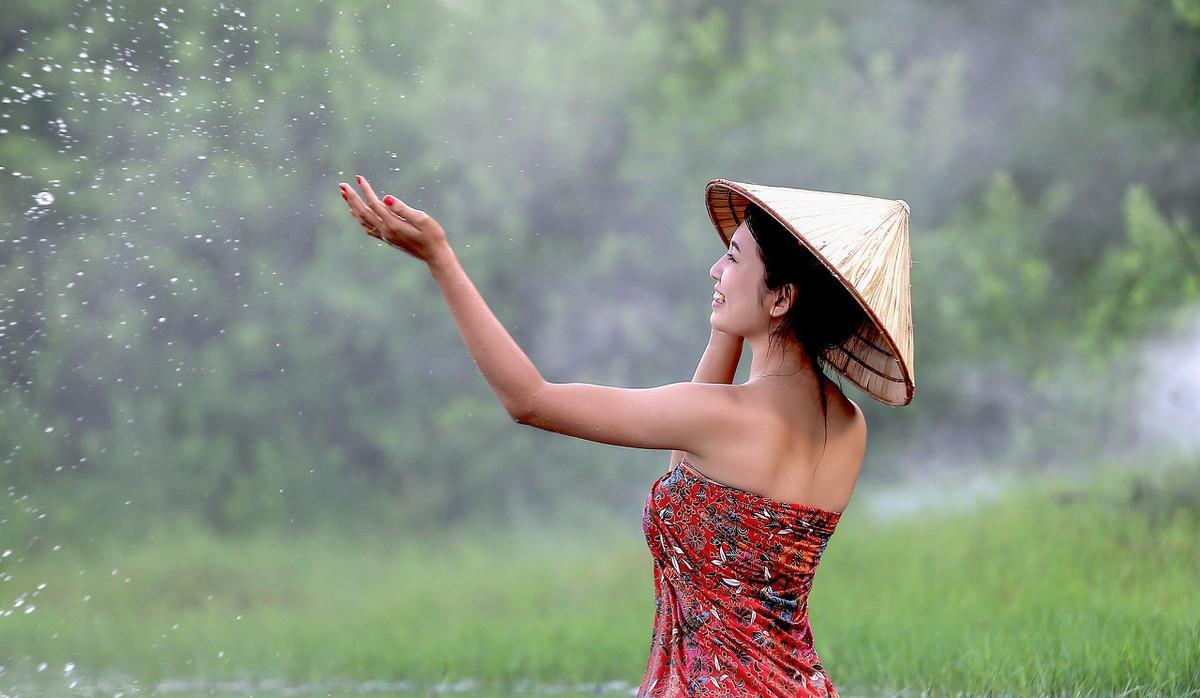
x=739, y=276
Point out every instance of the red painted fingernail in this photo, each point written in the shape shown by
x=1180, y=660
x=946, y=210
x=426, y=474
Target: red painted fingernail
x=389, y=200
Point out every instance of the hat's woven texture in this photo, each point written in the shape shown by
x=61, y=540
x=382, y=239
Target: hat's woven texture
x=863, y=241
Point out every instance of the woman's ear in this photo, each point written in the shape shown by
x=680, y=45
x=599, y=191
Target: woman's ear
x=784, y=299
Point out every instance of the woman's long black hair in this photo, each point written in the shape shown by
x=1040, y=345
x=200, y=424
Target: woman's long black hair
x=823, y=313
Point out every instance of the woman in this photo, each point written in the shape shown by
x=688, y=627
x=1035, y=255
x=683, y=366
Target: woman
x=761, y=471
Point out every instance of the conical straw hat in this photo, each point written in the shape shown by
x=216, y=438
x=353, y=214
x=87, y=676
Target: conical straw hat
x=863, y=241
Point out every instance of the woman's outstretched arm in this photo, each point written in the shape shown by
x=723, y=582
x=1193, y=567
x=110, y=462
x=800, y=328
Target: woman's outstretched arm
x=512, y=375
x=693, y=417
x=506, y=367
x=718, y=365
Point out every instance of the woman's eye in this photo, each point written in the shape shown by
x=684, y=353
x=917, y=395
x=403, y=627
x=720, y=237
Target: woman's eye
x=730, y=257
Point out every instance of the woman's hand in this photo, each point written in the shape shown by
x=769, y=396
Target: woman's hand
x=394, y=222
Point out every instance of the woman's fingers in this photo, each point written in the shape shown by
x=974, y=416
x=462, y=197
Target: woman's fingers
x=395, y=222
x=405, y=222
x=402, y=209
x=365, y=216
x=356, y=204
x=371, y=200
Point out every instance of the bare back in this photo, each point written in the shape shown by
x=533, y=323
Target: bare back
x=783, y=459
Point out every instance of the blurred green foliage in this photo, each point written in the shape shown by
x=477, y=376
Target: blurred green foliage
x=196, y=329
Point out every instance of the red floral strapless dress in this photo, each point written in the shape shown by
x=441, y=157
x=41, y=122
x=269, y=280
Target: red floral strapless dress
x=732, y=572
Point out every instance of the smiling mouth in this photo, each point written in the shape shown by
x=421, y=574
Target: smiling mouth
x=718, y=297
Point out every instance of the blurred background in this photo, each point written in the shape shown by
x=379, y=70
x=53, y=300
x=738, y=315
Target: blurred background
x=245, y=450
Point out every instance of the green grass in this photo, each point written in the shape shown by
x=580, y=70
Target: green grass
x=1043, y=593
x=1059, y=591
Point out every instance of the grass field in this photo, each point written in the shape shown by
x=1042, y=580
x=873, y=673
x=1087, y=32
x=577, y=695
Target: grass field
x=1068, y=590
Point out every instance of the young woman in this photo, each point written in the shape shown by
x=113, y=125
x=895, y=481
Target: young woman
x=760, y=471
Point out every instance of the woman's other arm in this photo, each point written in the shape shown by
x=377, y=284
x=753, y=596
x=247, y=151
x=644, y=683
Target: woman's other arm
x=718, y=365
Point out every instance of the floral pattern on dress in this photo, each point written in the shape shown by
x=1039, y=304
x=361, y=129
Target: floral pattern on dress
x=732, y=573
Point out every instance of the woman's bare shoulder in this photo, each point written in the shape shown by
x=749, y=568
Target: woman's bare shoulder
x=854, y=431
x=845, y=409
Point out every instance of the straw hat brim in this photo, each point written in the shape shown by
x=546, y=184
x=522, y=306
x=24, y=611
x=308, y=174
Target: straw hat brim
x=863, y=242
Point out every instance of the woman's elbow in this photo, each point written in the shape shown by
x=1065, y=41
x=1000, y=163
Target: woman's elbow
x=522, y=408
